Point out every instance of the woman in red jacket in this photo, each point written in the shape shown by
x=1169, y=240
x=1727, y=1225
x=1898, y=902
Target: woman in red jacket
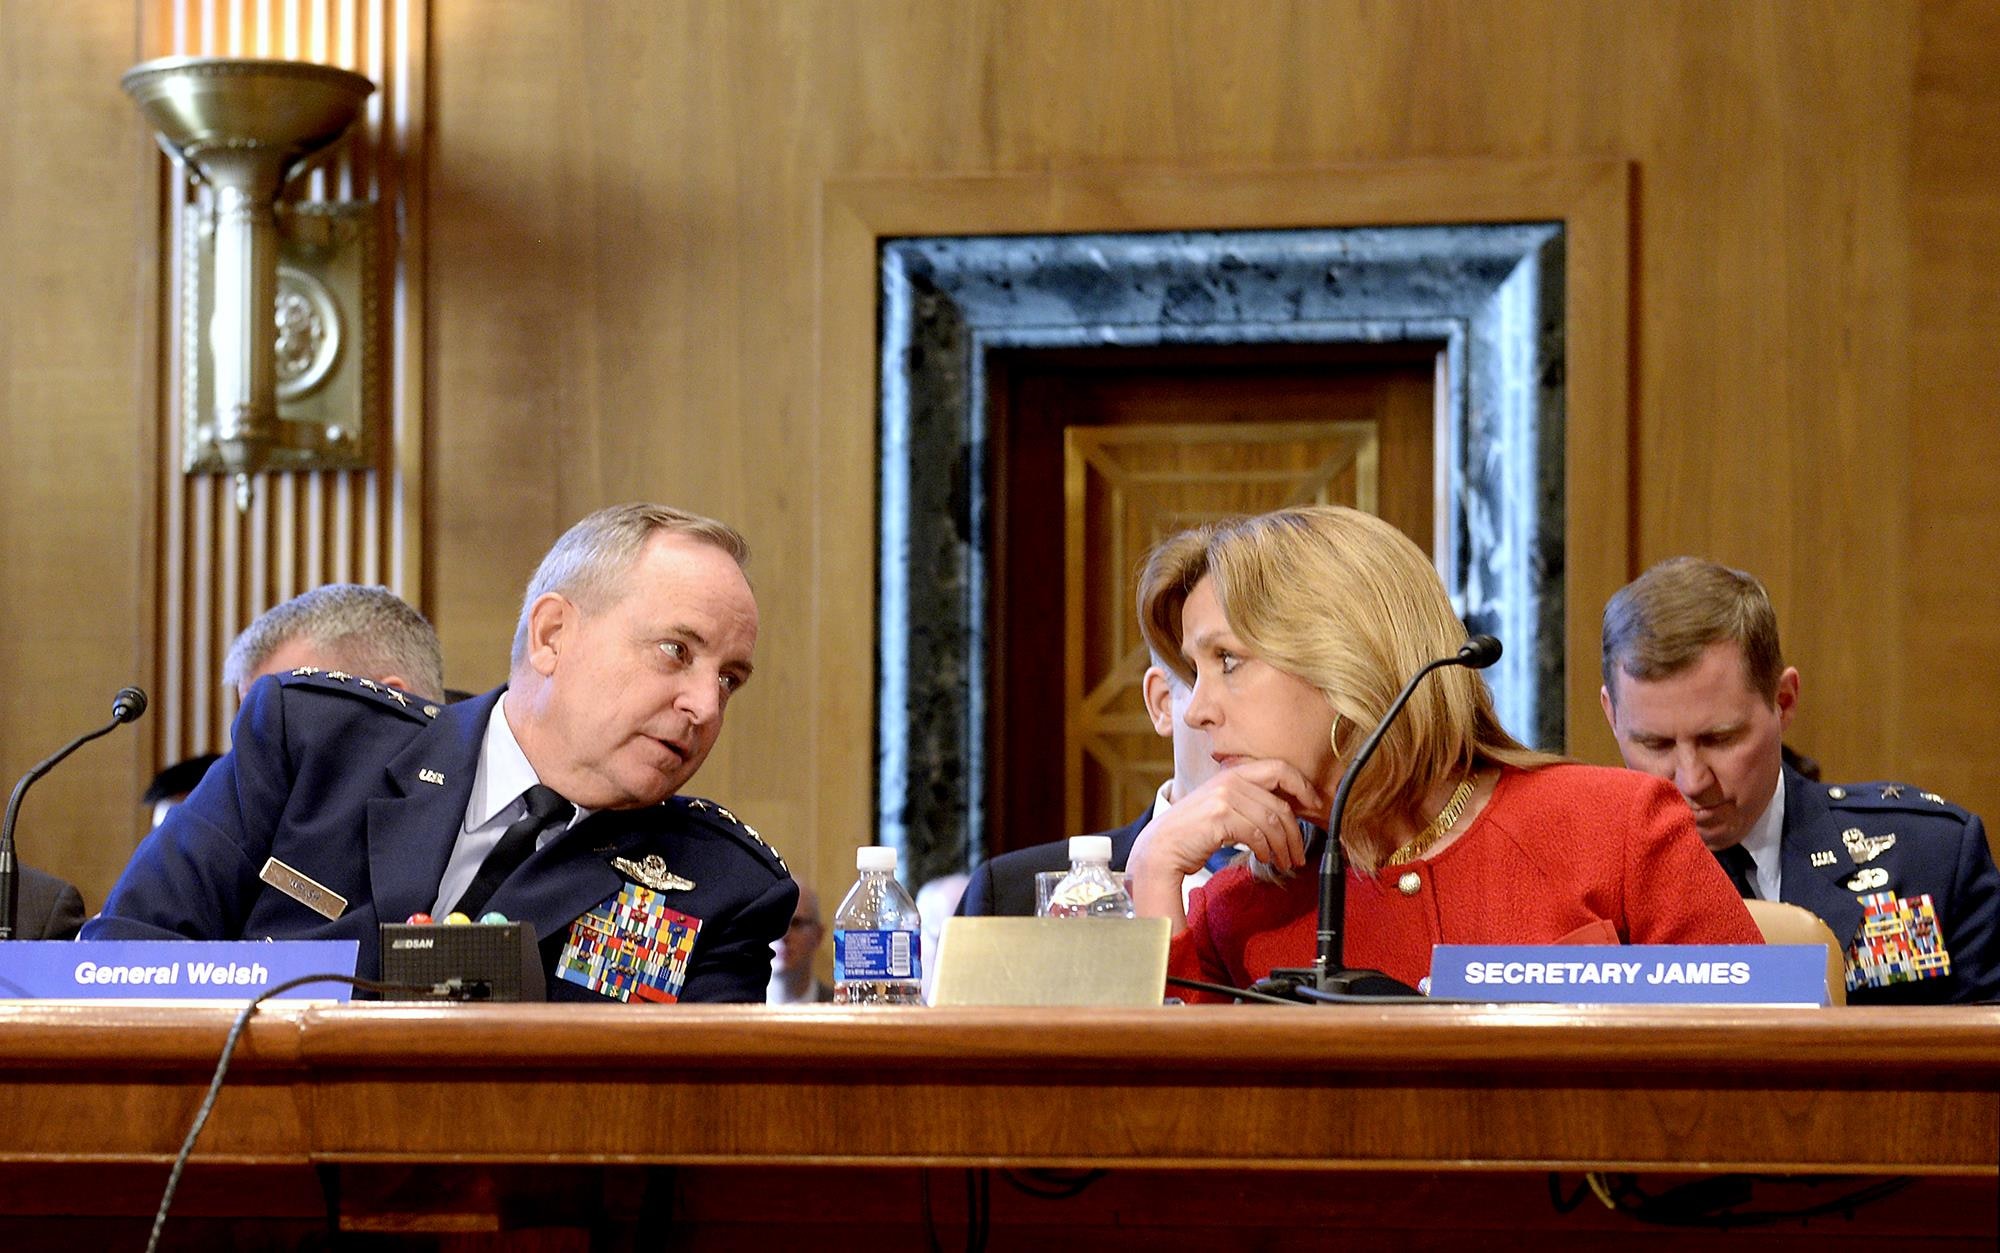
x=1296, y=630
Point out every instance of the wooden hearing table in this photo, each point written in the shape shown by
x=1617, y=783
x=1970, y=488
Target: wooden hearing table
x=343, y=1095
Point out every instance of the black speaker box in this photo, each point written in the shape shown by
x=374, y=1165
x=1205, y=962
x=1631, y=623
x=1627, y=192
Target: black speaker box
x=491, y=961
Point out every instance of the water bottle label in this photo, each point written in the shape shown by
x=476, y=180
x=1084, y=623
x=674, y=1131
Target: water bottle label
x=863, y=955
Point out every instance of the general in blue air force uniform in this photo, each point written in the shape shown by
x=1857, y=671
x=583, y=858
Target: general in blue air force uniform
x=1697, y=692
x=1906, y=882
x=634, y=634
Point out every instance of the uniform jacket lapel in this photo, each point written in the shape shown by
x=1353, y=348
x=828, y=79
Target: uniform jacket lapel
x=412, y=831
x=573, y=873
x=1823, y=889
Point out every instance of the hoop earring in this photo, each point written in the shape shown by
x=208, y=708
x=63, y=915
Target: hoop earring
x=1335, y=735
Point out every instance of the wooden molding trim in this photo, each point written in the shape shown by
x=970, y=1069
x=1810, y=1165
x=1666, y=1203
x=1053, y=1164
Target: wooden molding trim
x=1592, y=197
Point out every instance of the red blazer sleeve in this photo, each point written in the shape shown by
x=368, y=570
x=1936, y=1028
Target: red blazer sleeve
x=1675, y=890
x=1193, y=955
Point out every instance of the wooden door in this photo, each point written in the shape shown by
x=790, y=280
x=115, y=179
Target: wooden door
x=1100, y=453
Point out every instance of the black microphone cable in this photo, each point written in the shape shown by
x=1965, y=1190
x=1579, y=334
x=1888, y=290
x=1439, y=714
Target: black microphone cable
x=1241, y=994
x=1717, y=1202
x=978, y=1210
x=450, y=988
x=1306, y=995
x=1051, y=1184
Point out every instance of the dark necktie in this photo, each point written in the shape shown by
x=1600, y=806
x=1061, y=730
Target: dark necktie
x=1742, y=870
x=546, y=810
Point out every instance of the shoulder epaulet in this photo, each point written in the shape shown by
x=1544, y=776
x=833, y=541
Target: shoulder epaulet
x=1898, y=797
x=416, y=708
x=721, y=819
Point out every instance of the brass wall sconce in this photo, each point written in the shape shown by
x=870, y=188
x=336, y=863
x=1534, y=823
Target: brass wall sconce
x=278, y=301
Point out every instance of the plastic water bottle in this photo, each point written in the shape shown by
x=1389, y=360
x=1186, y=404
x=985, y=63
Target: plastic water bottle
x=877, y=937
x=1090, y=890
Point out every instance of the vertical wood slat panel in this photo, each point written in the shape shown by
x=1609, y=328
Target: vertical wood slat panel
x=217, y=568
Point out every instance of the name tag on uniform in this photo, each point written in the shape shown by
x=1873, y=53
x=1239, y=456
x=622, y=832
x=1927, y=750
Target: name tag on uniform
x=302, y=888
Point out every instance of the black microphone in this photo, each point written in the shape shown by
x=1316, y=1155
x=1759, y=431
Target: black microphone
x=125, y=707
x=1476, y=653
x=1329, y=979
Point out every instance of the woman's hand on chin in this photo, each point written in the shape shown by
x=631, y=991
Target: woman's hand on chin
x=1255, y=803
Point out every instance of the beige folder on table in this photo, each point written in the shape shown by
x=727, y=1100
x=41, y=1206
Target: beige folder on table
x=1051, y=961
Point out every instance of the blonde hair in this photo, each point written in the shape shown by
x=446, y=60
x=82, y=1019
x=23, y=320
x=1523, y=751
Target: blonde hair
x=1348, y=603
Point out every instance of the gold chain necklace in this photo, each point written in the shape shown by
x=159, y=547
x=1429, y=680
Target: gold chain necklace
x=1431, y=834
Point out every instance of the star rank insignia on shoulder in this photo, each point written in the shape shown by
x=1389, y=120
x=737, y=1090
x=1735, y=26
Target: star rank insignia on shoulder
x=732, y=823
x=355, y=685
x=1886, y=797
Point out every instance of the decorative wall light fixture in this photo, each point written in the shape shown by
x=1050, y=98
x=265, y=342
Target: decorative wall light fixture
x=278, y=301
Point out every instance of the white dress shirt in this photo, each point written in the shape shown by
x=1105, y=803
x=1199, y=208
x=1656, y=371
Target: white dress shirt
x=1764, y=844
x=499, y=783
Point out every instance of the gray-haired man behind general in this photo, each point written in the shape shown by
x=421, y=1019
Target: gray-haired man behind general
x=1697, y=692
x=354, y=628
x=552, y=801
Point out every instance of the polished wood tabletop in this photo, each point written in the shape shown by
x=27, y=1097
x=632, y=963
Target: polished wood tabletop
x=1395, y=1087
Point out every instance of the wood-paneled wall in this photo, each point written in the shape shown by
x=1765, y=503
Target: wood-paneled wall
x=76, y=430
x=626, y=254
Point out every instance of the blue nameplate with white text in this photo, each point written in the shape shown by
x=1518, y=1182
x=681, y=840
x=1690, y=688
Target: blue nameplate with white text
x=1634, y=974
x=173, y=970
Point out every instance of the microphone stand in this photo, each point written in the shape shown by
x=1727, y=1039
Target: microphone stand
x=127, y=706
x=1329, y=980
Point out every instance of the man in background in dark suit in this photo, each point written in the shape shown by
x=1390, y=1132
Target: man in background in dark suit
x=47, y=908
x=1697, y=692
x=1006, y=884
x=173, y=783
x=793, y=980
x=553, y=801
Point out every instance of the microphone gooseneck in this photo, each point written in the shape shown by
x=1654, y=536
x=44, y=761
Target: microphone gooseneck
x=1329, y=976
x=127, y=706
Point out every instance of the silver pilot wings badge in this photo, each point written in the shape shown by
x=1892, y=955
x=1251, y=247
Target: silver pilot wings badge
x=652, y=872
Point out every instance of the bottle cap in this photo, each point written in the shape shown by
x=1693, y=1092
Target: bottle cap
x=1095, y=848
x=875, y=857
